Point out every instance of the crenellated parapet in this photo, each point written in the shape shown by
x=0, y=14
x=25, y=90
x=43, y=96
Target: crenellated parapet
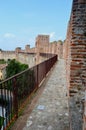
x=31, y=56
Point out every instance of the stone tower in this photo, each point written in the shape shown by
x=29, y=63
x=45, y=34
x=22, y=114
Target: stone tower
x=42, y=41
x=76, y=63
x=27, y=48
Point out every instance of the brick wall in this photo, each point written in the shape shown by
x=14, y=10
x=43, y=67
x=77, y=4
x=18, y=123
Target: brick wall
x=75, y=56
x=84, y=116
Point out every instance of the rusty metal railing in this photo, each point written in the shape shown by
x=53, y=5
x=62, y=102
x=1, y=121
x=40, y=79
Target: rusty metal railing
x=17, y=89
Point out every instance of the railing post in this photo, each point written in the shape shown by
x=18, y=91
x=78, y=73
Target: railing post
x=45, y=68
x=15, y=98
x=37, y=76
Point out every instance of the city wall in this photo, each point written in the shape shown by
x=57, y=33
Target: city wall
x=33, y=56
x=19, y=56
x=75, y=56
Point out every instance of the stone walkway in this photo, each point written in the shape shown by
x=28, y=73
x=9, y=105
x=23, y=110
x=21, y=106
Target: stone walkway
x=51, y=110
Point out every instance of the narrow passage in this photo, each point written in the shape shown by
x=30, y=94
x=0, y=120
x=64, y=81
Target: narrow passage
x=51, y=110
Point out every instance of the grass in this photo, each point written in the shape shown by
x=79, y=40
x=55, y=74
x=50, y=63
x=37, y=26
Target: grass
x=1, y=121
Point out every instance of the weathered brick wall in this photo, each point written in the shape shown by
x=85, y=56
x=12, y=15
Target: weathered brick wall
x=84, y=116
x=76, y=63
x=67, y=52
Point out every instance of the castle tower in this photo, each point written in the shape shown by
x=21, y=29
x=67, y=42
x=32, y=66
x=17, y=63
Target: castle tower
x=27, y=48
x=18, y=49
x=42, y=41
x=76, y=63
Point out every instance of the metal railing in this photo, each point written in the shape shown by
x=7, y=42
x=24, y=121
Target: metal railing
x=16, y=90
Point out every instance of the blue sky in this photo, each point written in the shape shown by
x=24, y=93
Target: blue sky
x=22, y=20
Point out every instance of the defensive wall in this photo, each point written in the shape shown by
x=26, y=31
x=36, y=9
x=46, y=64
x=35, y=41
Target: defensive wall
x=75, y=56
x=33, y=56
x=19, y=56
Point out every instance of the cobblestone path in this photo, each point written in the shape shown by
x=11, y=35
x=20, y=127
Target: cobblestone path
x=51, y=110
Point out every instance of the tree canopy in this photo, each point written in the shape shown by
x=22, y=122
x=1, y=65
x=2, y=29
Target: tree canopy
x=14, y=67
x=2, y=61
x=59, y=41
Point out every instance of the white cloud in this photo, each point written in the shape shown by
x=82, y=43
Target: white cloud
x=52, y=34
x=9, y=35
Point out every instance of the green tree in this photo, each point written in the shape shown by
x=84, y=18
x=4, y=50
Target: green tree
x=53, y=42
x=15, y=67
x=2, y=61
x=60, y=41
